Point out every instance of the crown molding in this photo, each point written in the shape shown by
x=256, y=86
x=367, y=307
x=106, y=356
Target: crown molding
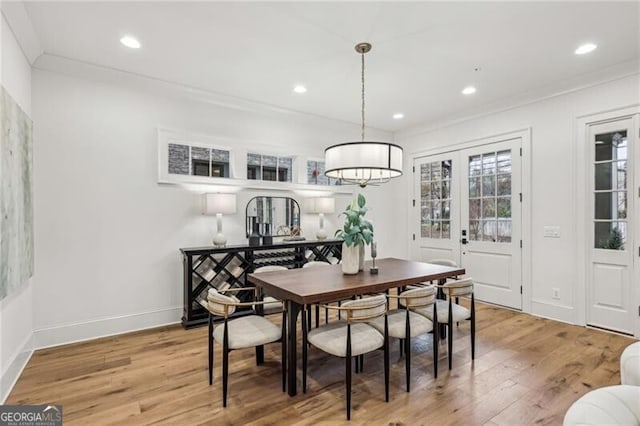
x=585, y=81
x=20, y=24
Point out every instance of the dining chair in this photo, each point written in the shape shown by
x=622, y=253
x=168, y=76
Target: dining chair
x=447, y=312
x=351, y=338
x=316, y=264
x=244, y=332
x=405, y=324
x=271, y=305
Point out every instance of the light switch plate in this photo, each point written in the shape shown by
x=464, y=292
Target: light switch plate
x=552, y=232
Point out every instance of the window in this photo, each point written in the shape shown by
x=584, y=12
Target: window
x=198, y=161
x=610, y=190
x=490, y=197
x=435, y=199
x=269, y=168
x=316, y=176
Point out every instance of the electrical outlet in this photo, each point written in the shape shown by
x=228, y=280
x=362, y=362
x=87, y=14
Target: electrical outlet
x=556, y=293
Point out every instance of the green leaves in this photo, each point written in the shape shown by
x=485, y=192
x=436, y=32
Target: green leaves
x=357, y=230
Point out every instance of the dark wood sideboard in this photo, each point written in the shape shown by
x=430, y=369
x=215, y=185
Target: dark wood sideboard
x=227, y=267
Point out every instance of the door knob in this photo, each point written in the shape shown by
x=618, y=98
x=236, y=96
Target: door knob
x=464, y=241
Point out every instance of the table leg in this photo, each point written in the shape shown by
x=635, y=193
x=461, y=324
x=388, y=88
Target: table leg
x=292, y=350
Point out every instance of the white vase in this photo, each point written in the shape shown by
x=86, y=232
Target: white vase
x=361, y=257
x=350, y=259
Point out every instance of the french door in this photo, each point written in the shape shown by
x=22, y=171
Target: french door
x=610, y=282
x=468, y=209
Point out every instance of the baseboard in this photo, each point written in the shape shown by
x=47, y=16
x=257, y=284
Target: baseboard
x=557, y=312
x=9, y=378
x=104, y=327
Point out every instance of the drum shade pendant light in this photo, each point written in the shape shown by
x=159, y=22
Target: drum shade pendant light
x=364, y=162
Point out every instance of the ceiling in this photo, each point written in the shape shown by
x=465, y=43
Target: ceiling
x=423, y=54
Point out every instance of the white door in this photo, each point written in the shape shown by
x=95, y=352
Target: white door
x=610, y=291
x=468, y=209
x=491, y=218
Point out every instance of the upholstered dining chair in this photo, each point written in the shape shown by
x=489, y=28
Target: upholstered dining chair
x=316, y=264
x=447, y=312
x=351, y=338
x=404, y=323
x=244, y=332
x=271, y=305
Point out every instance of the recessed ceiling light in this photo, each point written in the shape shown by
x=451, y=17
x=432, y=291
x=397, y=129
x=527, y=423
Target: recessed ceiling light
x=586, y=48
x=300, y=89
x=131, y=42
x=469, y=90
x=398, y=116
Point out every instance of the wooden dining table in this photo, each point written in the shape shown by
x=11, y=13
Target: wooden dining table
x=306, y=286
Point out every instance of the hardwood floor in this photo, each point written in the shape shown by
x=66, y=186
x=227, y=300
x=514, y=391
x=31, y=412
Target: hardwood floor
x=528, y=370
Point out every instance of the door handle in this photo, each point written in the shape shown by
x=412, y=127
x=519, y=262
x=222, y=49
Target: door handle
x=464, y=241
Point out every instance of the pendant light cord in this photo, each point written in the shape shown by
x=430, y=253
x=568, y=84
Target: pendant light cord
x=362, y=79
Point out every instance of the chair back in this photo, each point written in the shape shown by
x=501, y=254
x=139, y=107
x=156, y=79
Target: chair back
x=443, y=262
x=459, y=288
x=219, y=304
x=315, y=263
x=366, y=308
x=270, y=268
x=418, y=297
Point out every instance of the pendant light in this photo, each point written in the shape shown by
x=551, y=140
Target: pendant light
x=363, y=163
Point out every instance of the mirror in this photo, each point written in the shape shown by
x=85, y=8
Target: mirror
x=277, y=216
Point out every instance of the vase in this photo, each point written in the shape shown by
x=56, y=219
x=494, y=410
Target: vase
x=361, y=257
x=350, y=259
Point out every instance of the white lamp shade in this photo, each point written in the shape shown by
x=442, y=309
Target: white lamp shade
x=358, y=160
x=322, y=205
x=219, y=203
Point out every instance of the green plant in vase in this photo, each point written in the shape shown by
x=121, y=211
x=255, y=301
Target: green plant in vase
x=356, y=232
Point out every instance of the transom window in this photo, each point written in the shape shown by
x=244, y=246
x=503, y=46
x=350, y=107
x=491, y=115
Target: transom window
x=269, y=167
x=435, y=199
x=490, y=197
x=610, y=190
x=197, y=161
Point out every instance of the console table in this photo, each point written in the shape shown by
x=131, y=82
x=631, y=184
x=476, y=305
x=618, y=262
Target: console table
x=227, y=267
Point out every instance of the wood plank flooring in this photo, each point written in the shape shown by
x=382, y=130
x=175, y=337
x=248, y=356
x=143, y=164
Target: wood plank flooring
x=528, y=370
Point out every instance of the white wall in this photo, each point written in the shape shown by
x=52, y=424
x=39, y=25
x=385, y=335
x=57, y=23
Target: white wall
x=16, y=310
x=552, y=122
x=107, y=235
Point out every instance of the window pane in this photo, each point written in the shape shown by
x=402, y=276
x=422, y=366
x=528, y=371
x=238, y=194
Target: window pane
x=621, y=197
x=254, y=159
x=610, y=235
x=437, y=210
x=199, y=168
x=488, y=208
x=489, y=230
x=178, y=159
x=504, y=207
x=504, y=162
x=504, y=230
x=425, y=172
x=504, y=184
x=435, y=171
x=435, y=190
x=489, y=164
x=474, y=187
x=474, y=209
x=488, y=186
x=446, y=229
x=611, y=146
x=445, y=209
x=446, y=190
x=603, y=205
x=474, y=230
x=475, y=166
x=425, y=231
x=446, y=169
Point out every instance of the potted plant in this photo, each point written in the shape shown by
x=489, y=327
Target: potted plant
x=356, y=232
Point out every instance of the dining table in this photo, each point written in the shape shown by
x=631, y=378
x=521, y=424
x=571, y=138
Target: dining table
x=301, y=287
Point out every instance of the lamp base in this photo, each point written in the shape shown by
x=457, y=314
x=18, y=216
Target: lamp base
x=219, y=240
x=321, y=234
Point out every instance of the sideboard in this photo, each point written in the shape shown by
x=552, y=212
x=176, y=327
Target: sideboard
x=227, y=267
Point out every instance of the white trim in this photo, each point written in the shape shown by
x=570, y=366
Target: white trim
x=10, y=376
x=525, y=135
x=104, y=327
x=581, y=125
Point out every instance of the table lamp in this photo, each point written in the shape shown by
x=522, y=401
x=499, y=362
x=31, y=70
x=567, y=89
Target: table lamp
x=322, y=205
x=219, y=204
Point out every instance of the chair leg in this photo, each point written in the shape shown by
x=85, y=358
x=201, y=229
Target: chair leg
x=225, y=364
x=309, y=318
x=473, y=327
x=317, y=316
x=348, y=372
x=436, y=341
x=304, y=350
x=450, y=335
x=386, y=359
x=210, y=350
x=361, y=363
x=401, y=344
x=283, y=355
x=407, y=351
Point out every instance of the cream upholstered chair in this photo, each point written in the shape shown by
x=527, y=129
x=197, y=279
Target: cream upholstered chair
x=316, y=264
x=630, y=365
x=448, y=312
x=611, y=405
x=351, y=338
x=271, y=305
x=404, y=324
x=243, y=332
